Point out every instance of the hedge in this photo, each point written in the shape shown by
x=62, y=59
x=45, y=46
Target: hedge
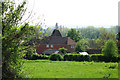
x=36, y=56
x=55, y=57
x=95, y=58
x=76, y=57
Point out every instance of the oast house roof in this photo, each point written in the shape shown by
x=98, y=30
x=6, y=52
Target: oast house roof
x=56, y=38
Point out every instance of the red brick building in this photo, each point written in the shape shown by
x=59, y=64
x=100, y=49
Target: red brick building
x=55, y=41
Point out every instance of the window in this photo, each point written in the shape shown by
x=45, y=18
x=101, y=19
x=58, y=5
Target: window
x=72, y=46
x=51, y=46
x=47, y=45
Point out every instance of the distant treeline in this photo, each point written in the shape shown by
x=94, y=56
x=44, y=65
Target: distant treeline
x=91, y=36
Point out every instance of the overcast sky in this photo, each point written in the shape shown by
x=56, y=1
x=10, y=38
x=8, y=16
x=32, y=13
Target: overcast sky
x=75, y=12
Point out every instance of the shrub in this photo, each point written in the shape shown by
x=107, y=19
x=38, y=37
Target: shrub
x=76, y=57
x=97, y=57
x=43, y=57
x=79, y=47
x=110, y=49
x=100, y=58
x=55, y=57
x=63, y=50
x=94, y=58
x=86, y=57
x=66, y=57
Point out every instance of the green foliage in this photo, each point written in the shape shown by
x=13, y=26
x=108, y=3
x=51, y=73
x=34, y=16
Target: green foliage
x=37, y=56
x=11, y=36
x=118, y=37
x=92, y=43
x=76, y=57
x=93, y=57
x=15, y=38
x=90, y=32
x=56, y=57
x=74, y=35
x=97, y=58
x=63, y=50
x=81, y=46
x=104, y=36
x=110, y=49
x=29, y=53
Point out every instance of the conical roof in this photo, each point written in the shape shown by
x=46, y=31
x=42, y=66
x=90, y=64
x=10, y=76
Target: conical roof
x=56, y=33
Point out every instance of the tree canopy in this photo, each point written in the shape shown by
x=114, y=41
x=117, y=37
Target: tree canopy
x=74, y=35
x=110, y=49
x=14, y=37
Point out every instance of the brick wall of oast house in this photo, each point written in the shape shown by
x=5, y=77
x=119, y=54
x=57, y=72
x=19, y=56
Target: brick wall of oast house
x=42, y=47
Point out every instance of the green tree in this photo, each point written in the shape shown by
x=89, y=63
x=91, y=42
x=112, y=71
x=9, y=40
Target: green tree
x=74, y=35
x=63, y=50
x=92, y=43
x=81, y=45
x=63, y=30
x=89, y=32
x=118, y=37
x=29, y=53
x=110, y=49
x=104, y=36
x=14, y=38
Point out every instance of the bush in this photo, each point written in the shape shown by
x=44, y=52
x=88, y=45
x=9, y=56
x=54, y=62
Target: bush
x=36, y=56
x=110, y=59
x=66, y=57
x=55, y=57
x=86, y=58
x=43, y=57
x=63, y=50
x=76, y=57
x=79, y=47
x=100, y=58
x=95, y=58
x=110, y=49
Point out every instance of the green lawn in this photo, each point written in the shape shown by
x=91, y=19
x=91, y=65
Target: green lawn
x=68, y=69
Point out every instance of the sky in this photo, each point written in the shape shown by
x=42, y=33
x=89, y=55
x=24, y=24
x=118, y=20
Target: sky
x=97, y=13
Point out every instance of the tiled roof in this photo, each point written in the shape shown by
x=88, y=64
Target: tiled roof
x=70, y=41
x=56, y=38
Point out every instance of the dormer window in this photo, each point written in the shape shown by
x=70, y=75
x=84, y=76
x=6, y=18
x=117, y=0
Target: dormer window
x=47, y=46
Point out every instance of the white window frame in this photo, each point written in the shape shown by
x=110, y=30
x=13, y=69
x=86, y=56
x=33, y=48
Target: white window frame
x=51, y=46
x=72, y=46
x=47, y=46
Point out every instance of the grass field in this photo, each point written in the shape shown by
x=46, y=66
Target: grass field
x=68, y=69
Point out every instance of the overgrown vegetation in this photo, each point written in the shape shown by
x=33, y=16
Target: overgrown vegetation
x=15, y=38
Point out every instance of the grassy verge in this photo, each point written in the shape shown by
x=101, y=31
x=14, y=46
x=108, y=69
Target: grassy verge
x=69, y=69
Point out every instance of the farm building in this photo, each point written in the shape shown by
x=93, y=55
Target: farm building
x=54, y=42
